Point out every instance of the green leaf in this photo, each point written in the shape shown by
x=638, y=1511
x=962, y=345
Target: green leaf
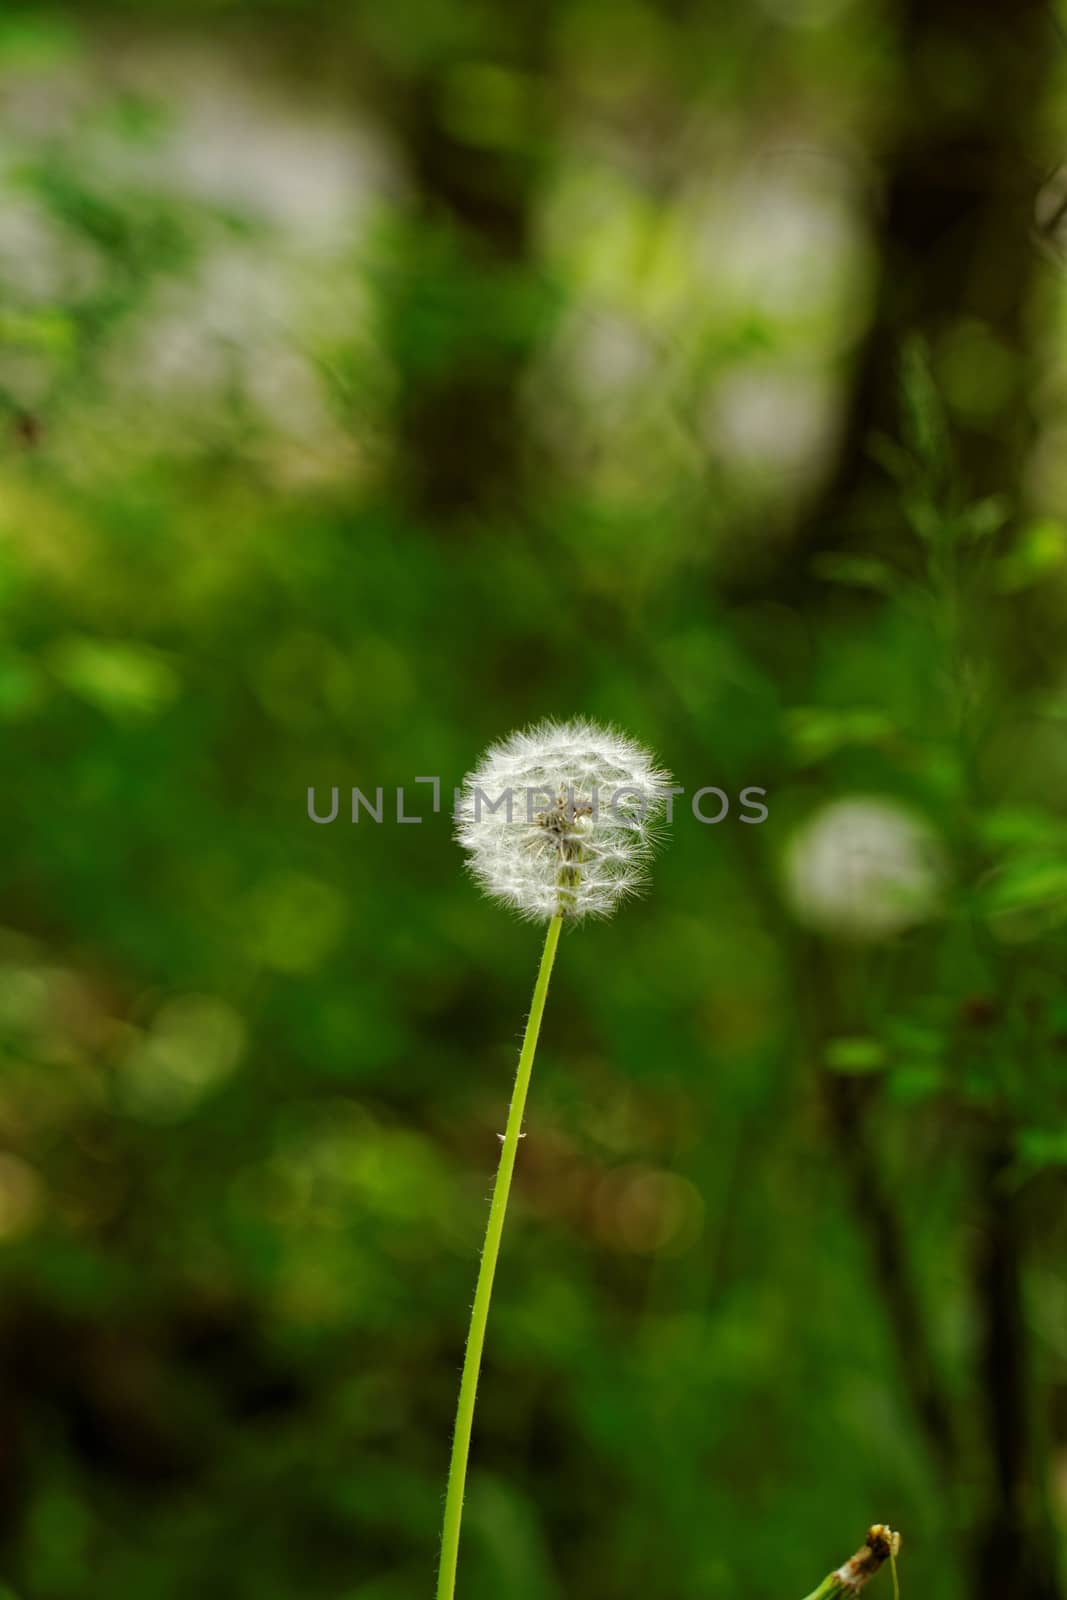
x=914, y=1081
x=816, y=732
x=1029, y=884
x=854, y=1055
x=925, y=427
x=51, y=331
x=1043, y=1147
x=118, y=677
x=1039, y=551
x=857, y=571
x=985, y=517
x=891, y=457
x=37, y=42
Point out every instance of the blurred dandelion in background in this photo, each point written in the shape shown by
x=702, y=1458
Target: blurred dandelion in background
x=864, y=868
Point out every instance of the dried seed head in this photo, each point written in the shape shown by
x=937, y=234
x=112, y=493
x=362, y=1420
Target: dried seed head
x=562, y=818
x=882, y=1545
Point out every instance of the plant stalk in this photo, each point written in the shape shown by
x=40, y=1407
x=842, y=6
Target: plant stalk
x=472, y=1360
x=880, y=1546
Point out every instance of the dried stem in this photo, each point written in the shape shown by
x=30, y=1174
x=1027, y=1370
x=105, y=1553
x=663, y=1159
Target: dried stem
x=881, y=1545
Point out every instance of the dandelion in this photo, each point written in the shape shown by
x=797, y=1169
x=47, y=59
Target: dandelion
x=559, y=822
x=864, y=868
x=562, y=820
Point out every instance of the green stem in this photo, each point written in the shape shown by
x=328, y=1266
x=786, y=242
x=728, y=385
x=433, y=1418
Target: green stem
x=472, y=1360
x=831, y=1588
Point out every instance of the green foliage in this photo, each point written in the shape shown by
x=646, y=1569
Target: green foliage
x=252, y=1070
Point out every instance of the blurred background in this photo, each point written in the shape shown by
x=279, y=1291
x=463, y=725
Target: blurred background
x=376, y=380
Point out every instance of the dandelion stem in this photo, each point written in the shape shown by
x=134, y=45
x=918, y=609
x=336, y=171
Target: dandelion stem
x=472, y=1360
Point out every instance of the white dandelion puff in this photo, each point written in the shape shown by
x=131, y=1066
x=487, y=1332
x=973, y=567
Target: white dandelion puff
x=864, y=868
x=562, y=819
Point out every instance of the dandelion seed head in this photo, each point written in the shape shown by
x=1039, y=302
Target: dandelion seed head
x=562, y=818
x=864, y=868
